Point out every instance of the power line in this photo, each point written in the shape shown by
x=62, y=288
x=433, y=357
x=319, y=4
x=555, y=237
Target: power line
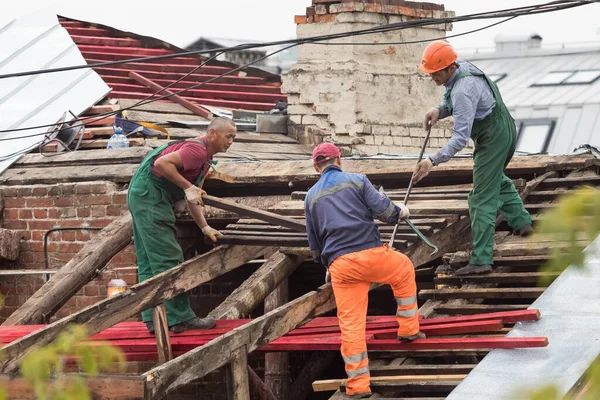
x=516, y=12
x=510, y=12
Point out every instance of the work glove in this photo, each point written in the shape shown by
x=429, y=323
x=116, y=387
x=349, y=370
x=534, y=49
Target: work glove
x=404, y=211
x=211, y=233
x=423, y=169
x=327, y=277
x=194, y=194
x=431, y=117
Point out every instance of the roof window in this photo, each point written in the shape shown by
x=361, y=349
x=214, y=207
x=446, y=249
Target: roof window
x=560, y=78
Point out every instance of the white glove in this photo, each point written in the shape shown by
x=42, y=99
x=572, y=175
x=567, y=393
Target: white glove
x=327, y=277
x=211, y=233
x=404, y=211
x=194, y=194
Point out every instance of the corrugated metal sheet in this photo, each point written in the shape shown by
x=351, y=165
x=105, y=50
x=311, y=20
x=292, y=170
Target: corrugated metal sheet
x=37, y=42
x=575, y=108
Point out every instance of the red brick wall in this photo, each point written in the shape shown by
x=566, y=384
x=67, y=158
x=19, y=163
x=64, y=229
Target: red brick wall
x=37, y=208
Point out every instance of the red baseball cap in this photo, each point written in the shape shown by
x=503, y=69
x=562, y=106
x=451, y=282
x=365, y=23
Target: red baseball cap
x=325, y=152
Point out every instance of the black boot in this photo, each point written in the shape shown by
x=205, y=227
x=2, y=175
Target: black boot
x=525, y=230
x=359, y=395
x=474, y=269
x=150, y=327
x=194, y=323
x=418, y=335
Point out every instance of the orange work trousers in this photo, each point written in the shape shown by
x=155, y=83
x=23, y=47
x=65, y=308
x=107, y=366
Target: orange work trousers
x=351, y=277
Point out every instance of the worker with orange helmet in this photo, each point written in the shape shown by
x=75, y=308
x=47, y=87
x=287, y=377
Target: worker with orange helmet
x=479, y=114
x=342, y=236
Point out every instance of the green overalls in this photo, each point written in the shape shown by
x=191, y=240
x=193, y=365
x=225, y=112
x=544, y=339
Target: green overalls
x=151, y=202
x=495, y=141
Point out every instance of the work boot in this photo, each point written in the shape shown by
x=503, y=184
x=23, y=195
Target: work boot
x=364, y=395
x=150, y=327
x=194, y=323
x=474, y=269
x=418, y=335
x=525, y=230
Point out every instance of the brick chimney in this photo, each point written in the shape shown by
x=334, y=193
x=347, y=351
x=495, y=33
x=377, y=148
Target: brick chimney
x=368, y=99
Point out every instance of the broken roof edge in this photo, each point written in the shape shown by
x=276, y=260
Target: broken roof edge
x=152, y=42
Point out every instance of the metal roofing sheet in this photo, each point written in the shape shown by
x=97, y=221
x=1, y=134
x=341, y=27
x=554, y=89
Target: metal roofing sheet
x=523, y=70
x=569, y=318
x=33, y=42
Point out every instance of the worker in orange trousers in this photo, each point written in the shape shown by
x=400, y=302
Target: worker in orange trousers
x=342, y=235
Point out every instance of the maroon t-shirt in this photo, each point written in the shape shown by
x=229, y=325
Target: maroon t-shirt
x=194, y=158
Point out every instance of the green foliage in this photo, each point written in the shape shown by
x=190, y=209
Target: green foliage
x=574, y=224
x=44, y=369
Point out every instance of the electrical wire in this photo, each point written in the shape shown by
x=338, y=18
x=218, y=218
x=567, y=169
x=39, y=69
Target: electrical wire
x=519, y=11
x=509, y=12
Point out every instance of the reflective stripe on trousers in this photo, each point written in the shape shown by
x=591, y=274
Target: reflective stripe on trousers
x=351, y=277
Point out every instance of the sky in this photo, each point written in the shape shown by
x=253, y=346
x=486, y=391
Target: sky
x=180, y=22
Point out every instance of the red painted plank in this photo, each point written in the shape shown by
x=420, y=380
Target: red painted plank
x=508, y=317
x=126, y=51
x=106, y=56
x=79, y=31
x=105, y=41
x=166, y=66
x=116, y=81
x=445, y=329
x=66, y=24
x=248, y=80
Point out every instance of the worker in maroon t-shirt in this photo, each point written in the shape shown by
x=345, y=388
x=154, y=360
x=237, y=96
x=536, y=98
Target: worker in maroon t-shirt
x=170, y=173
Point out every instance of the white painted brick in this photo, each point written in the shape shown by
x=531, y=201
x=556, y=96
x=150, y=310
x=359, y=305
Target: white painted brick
x=380, y=130
x=388, y=140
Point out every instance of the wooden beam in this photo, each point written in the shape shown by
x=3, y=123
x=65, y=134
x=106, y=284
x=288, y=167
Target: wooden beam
x=147, y=294
x=161, y=330
x=334, y=384
x=113, y=387
x=91, y=157
x=84, y=267
x=253, y=291
x=313, y=368
x=467, y=309
x=277, y=365
x=238, y=386
x=251, y=212
x=163, y=380
x=421, y=369
x=258, y=389
x=193, y=107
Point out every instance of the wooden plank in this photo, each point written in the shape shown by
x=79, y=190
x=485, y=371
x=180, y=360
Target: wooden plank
x=467, y=309
x=315, y=367
x=398, y=170
x=258, y=390
x=149, y=293
x=94, y=256
x=246, y=297
x=238, y=385
x=9, y=272
x=95, y=144
x=334, y=384
x=110, y=387
x=161, y=330
x=252, y=212
x=421, y=369
x=492, y=293
x=240, y=136
x=570, y=182
x=278, y=148
x=155, y=107
x=92, y=157
x=163, y=380
x=510, y=277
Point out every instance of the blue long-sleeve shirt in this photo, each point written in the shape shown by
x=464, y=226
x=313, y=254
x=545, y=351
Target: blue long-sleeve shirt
x=472, y=99
x=339, y=211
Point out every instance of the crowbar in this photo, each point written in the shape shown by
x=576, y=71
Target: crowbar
x=413, y=228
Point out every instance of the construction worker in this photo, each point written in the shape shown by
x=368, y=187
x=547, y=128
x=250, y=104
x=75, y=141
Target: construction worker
x=169, y=173
x=480, y=114
x=342, y=235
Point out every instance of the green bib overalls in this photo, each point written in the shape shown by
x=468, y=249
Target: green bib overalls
x=151, y=202
x=495, y=141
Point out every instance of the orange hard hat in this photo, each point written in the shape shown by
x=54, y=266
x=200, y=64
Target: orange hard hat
x=437, y=56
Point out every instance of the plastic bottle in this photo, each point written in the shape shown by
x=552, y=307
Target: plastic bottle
x=118, y=140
